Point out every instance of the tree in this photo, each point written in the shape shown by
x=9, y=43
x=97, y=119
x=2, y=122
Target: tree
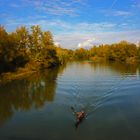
x=21, y=45
x=81, y=54
x=35, y=40
x=3, y=49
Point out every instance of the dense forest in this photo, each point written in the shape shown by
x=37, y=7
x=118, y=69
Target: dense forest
x=35, y=49
x=22, y=47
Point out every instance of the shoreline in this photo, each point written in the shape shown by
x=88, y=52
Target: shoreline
x=11, y=76
x=26, y=71
x=29, y=69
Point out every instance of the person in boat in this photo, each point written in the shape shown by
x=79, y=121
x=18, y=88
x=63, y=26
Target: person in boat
x=79, y=117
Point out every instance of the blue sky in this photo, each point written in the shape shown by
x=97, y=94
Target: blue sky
x=76, y=23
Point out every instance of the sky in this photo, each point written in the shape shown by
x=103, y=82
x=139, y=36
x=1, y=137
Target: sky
x=76, y=23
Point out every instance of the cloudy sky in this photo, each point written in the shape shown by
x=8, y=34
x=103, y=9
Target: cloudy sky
x=76, y=23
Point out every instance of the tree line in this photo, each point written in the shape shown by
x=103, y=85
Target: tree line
x=122, y=51
x=35, y=48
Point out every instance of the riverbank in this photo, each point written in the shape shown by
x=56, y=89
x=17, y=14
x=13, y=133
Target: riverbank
x=26, y=71
x=38, y=65
x=17, y=75
x=129, y=60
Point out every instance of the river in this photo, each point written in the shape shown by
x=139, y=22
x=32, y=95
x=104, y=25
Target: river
x=39, y=107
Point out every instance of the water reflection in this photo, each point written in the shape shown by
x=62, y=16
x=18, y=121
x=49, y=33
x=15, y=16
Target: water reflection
x=120, y=68
x=39, y=88
x=32, y=92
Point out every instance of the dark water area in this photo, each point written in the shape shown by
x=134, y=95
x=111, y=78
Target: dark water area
x=39, y=107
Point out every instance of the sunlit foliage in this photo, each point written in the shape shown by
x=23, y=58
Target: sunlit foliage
x=23, y=46
x=64, y=55
x=36, y=48
x=116, y=52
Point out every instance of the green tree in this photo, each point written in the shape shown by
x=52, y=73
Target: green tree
x=21, y=44
x=81, y=54
x=35, y=40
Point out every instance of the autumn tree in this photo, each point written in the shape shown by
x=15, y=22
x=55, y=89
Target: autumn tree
x=81, y=54
x=35, y=40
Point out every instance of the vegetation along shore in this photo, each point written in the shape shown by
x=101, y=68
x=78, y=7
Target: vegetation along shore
x=26, y=51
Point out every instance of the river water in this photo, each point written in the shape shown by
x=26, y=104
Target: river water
x=39, y=106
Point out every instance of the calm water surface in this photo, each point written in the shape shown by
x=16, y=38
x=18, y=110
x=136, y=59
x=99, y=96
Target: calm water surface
x=38, y=107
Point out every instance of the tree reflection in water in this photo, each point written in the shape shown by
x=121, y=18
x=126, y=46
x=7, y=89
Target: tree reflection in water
x=118, y=67
x=31, y=92
x=39, y=88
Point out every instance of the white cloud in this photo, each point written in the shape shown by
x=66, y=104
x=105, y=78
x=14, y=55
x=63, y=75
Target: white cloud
x=57, y=7
x=56, y=43
x=70, y=35
x=58, y=26
x=75, y=27
x=72, y=40
x=121, y=13
x=86, y=44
